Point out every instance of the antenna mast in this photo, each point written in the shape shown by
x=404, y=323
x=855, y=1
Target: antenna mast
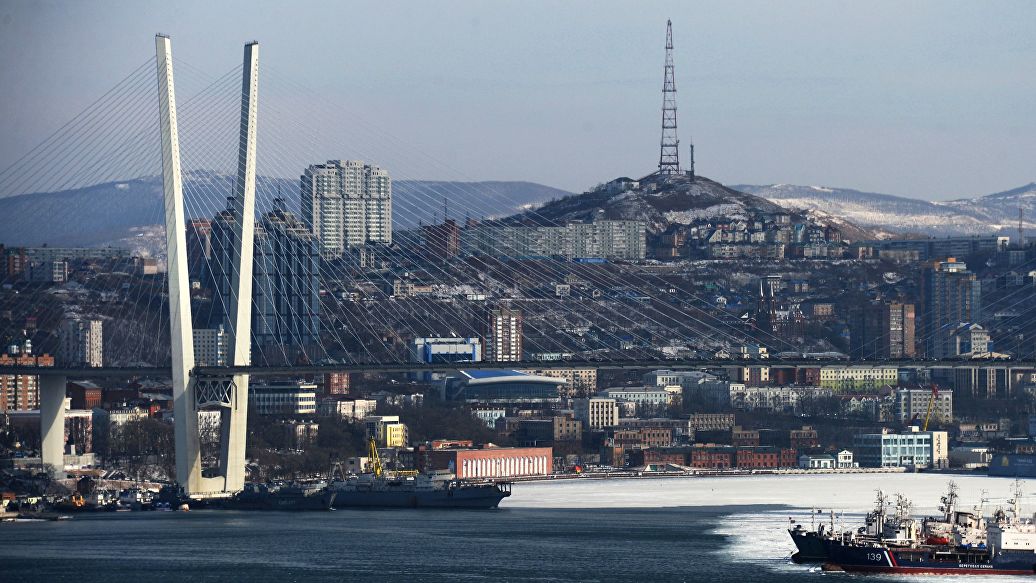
x=1021, y=227
x=669, y=158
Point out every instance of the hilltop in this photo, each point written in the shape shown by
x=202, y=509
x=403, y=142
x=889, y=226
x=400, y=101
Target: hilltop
x=665, y=203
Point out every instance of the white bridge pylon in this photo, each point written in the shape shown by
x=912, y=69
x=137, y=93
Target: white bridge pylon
x=191, y=393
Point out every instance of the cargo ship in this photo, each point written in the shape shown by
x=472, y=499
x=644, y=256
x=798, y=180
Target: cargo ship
x=1009, y=549
x=379, y=488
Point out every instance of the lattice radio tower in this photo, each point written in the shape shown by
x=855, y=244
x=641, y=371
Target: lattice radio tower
x=669, y=158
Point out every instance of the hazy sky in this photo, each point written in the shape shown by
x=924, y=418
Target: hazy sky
x=928, y=99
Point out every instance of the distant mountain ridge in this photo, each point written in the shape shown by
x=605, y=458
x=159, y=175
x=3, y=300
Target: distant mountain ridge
x=112, y=212
x=979, y=215
x=124, y=212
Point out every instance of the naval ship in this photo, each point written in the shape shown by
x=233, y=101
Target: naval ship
x=379, y=488
x=897, y=528
x=286, y=497
x=960, y=543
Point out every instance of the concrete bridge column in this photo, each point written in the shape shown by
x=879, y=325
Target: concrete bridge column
x=52, y=422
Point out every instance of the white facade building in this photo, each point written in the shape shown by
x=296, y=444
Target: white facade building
x=82, y=343
x=774, y=399
x=912, y=403
x=489, y=416
x=596, y=412
x=858, y=377
x=347, y=204
x=643, y=396
x=352, y=409
x=504, y=340
x=290, y=398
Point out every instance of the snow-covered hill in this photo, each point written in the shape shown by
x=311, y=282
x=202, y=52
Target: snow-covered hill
x=993, y=213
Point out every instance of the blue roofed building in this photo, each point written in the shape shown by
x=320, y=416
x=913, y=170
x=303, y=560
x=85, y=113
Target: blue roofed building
x=500, y=386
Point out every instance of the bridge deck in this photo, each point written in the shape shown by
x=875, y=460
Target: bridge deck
x=260, y=370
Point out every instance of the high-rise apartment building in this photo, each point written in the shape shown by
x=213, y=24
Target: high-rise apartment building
x=504, y=340
x=82, y=343
x=951, y=295
x=882, y=331
x=211, y=346
x=347, y=204
x=286, y=295
x=21, y=392
x=199, y=247
x=285, y=281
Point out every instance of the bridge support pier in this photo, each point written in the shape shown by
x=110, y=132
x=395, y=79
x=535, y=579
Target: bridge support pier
x=52, y=423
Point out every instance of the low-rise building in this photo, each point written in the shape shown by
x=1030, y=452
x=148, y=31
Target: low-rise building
x=386, y=430
x=494, y=462
x=856, y=377
x=970, y=457
x=765, y=458
x=647, y=399
x=913, y=404
x=774, y=399
x=596, y=412
x=489, y=415
x=712, y=457
x=300, y=434
x=642, y=438
x=349, y=409
x=712, y=421
x=805, y=438
x=287, y=398
x=446, y=350
x=744, y=437
x=920, y=449
x=817, y=462
x=681, y=429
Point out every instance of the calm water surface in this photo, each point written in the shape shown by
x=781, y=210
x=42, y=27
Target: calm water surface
x=715, y=530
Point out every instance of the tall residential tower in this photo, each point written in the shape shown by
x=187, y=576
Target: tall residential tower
x=347, y=204
x=504, y=340
x=951, y=296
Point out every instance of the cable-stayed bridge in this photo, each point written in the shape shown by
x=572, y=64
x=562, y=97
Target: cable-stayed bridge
x=284, y=306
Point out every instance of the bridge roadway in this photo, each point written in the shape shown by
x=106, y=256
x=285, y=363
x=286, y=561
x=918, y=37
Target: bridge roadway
x=677, y=364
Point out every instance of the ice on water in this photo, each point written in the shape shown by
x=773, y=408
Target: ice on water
x=759, y=535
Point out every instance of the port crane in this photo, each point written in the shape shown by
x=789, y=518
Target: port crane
x=931, y=405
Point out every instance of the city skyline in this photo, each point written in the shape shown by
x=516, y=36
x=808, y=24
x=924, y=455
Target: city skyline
x=249, y=328
x=764, y=107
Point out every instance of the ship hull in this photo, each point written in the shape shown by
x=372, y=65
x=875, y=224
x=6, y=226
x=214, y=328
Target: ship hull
x=928, y=561
x=458, y=498
x=810, y=545
x=289, y=502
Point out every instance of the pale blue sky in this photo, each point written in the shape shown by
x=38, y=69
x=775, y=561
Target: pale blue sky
x=926, y=99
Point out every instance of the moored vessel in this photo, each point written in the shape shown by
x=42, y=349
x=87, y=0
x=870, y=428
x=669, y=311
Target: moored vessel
x=287, y=497
x=378, y=488
x=1009, y=548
